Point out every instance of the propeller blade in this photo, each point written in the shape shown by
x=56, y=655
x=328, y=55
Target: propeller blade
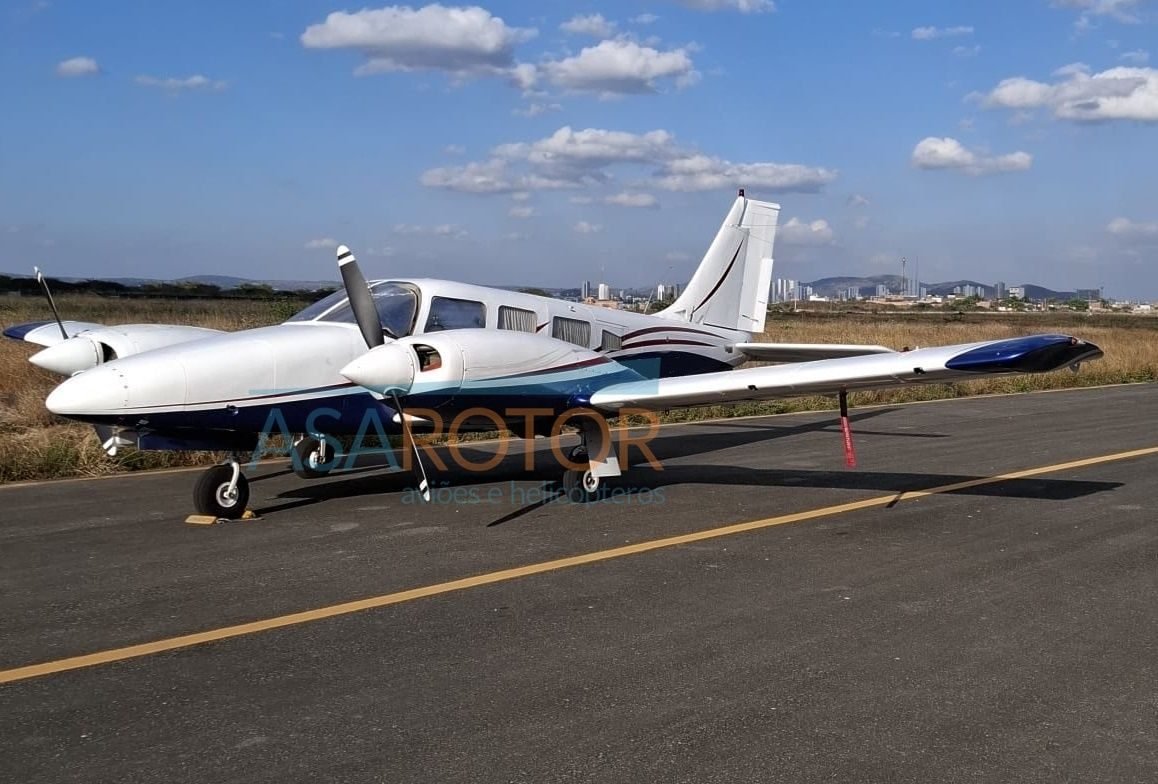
x=361, y=300
x=48, y=294
x=407, y=434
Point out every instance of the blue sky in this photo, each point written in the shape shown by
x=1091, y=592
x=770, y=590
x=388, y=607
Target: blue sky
x=543, y=143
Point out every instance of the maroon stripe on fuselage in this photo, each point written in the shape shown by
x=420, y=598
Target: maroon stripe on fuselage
x=643, y=343
x=650, y=330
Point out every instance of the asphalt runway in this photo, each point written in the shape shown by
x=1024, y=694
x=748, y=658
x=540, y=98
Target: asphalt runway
x=978, y=601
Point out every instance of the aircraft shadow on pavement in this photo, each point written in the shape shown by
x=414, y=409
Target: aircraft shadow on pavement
x=369, y=479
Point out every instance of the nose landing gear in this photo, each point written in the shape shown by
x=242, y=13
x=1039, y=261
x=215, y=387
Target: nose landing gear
x=222, y=491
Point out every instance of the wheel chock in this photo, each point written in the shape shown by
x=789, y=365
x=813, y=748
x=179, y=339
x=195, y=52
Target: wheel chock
x=249, y=514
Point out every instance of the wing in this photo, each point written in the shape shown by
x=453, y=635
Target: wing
x=1035, y=354
x=47, y=333
x=806, y=352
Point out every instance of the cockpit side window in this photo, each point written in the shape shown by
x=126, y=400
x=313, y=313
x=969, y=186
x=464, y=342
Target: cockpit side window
x=448, y=313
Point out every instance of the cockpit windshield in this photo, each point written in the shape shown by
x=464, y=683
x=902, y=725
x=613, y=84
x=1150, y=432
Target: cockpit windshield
x=397, y=305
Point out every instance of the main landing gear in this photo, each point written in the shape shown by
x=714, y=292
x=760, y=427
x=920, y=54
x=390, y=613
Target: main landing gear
x=311, y=458
x=222, y=491
x=584, y=485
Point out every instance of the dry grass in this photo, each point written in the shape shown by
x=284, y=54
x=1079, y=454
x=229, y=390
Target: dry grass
x=34, y=444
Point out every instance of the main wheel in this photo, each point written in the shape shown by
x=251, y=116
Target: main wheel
x=581, y=487
x=308, y=459
x=211, y=494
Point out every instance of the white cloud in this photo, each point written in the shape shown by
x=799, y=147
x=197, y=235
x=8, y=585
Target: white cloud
x=626, y=199
x=175, y=85
x=798, y=232
x=743, y=6
x=1129, y=230
x=967, y=51
x=322, y=243
x=521, y=211
x=594, y=25
x=573, y=159
x=77, y=66
x=948, y=153
x=440, y=230
x=858, y=200
x=620, y=67
x=644, y=19
x=1137, y=57
x=581, y=200
x=454, y=149
x=930, y=33
x=1122, y=93
x=583, y=227
x=693, y=172
x=536, y=109
x=459, y=41
x=1120, y=10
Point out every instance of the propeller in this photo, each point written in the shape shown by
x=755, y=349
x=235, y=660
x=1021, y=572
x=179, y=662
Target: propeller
x=361, y=300
x=370, y=324
x=51, y=303
x=408, y=435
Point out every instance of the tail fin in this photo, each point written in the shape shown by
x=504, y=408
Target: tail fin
x=730, y=287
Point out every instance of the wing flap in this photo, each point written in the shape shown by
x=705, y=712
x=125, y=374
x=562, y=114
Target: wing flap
x=806, y=352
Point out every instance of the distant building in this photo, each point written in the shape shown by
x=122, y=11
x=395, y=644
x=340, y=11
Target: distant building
x=784, y=290
x=604, y=292
x=1017, y=291
x=1089, y=295
x=585, y=291
x=661, y=292
x=851, y=293
x=882, y=290
x=999, y=291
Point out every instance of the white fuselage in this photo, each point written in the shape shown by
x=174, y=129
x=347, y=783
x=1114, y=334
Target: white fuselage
x=236, y=381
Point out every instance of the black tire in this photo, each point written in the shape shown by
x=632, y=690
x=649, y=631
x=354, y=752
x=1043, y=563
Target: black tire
x=209, y=493
x=579, y=487
x=306, y=459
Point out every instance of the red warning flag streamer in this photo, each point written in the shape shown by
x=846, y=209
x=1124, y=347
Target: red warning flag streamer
x=846, y=431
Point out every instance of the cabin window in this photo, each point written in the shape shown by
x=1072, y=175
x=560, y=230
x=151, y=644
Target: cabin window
x=447, y=313
x=610, y=342
x=517, y=319
x=571, y=330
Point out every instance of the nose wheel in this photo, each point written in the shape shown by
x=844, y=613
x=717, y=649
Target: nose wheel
x=222, y=491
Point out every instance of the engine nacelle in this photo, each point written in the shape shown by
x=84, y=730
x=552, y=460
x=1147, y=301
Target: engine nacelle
x=93, y=347
x=483, y=367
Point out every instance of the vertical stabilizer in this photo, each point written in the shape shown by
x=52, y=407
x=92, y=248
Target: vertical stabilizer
x=730, y=287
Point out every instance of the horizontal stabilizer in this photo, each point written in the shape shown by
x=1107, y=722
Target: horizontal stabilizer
x=806, y=352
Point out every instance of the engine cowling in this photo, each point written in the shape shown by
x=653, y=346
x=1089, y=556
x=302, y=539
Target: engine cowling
x=480, y=365
x=93, y=347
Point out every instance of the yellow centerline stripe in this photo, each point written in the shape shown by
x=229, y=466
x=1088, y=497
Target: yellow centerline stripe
x=504, y=575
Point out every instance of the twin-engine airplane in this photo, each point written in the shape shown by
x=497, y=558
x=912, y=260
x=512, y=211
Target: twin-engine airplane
x=481, y=355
